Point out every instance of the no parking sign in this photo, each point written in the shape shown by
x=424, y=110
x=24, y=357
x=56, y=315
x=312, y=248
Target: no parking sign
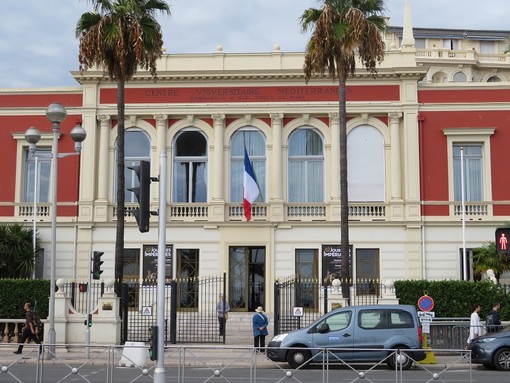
x=426, y=303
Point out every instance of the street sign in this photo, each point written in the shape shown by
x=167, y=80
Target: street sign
x=425, y=303
x=430, y=314
x=298, y=311
x=425, y=327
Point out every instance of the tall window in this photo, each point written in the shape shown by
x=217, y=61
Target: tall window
x=190, y=167
x=367, y=270
x=473, y=172
x=187, y=271
x=43, y=172
x=306, y=167
x=137, y=147
x=452, y=44
x=255, y=145
x=306, y=269
x=365, y=164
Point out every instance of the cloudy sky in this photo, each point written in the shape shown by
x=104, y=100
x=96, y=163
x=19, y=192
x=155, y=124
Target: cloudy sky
x=38, y=47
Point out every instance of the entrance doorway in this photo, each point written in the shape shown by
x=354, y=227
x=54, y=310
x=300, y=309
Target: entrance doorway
x=246, y=278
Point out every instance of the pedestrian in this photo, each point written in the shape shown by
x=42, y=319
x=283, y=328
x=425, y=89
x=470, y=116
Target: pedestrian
x=222, y=309
x=28, y=330
x=493, y=320
x=475, y=327
x=260, y=322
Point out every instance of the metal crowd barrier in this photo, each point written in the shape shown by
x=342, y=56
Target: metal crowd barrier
x=201, y=364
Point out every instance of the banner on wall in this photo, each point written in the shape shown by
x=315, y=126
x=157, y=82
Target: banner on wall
x=332, y=263
x=150, y=262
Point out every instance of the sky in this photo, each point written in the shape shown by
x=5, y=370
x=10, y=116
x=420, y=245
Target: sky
x=38, y=47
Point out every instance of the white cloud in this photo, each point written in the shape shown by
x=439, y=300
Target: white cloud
x=38, y=47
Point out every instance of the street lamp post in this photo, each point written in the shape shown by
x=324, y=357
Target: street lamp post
x=56, y=113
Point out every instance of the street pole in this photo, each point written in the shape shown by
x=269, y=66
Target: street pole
x=159, y=372
x=56, y=113
x=89, y=311
x=34, y=227
x=52, y=336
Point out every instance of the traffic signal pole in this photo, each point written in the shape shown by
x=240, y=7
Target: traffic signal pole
x=89, y=310
x=159, y=372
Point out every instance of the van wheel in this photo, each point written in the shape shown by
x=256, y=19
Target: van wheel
x=403, y=360
x=297, y=358
x=502, y=359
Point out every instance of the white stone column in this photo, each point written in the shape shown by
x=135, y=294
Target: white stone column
x=334, y=125
x=276, y=167
x=103, y=168
x=218, y=165
x=396, y=165
x=161, y=131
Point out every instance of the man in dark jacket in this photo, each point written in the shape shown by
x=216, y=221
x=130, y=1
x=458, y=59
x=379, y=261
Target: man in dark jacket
x=493, y=320
x=29, y=329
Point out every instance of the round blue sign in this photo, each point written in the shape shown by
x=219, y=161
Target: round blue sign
x=425, y=303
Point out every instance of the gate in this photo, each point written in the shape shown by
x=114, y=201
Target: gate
x=190, y=310
x=298, y=302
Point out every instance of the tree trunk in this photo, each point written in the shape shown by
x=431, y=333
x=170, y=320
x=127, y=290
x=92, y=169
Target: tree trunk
x=119, y=238
x=344, y=198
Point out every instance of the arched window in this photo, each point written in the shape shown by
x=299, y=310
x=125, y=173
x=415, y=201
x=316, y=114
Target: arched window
x=459, y=77
x=306, y=167
x=137, y=147
x=255, y=144
x=494, y=79
x=190, y=167
x=365, y=164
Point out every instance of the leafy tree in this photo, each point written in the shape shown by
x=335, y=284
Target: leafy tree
x=342, y=31
x=17, y=257
x=487, y=257
x=120, y=36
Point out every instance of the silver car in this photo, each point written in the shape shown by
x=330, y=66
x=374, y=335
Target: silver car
x=353, y=334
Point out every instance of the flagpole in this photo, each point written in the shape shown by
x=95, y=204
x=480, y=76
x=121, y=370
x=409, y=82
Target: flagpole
x=464, y=255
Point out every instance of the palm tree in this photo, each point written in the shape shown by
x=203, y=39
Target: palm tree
x=342, y=31
x=120, y=36
x=17, y=255
x=487, y=257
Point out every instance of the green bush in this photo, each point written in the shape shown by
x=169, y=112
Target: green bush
x=453, y=299
x=14, y=293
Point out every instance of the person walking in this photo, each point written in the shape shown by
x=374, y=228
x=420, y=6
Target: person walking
x=222, y=309
x=475, y=327
x=28, y=330
x=260, y=322
x=493, y=320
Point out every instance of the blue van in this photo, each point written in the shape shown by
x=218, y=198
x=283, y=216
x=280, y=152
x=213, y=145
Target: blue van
x=353, y=334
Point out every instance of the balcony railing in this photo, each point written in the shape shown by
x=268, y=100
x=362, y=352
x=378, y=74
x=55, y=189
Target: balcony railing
x=471, y=209
x=367, y=210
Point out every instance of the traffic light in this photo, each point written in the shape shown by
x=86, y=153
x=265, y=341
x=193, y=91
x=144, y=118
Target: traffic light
x=142, y=193
x=502, y=240
x=96, y=264
x=88, y=321
x=153, y=343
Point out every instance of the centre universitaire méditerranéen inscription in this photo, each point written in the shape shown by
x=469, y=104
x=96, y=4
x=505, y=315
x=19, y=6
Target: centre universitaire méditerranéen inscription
x=264, y=94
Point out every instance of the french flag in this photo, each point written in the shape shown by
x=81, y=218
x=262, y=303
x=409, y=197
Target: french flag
x=250, y=188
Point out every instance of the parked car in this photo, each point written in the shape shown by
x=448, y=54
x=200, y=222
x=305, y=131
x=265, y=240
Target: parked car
x=353, y=334
x=492, y=349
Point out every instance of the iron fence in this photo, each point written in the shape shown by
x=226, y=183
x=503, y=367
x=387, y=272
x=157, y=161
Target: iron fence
x=299, y=302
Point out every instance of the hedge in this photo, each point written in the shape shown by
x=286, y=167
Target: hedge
x=14, y=293
x=455, y=298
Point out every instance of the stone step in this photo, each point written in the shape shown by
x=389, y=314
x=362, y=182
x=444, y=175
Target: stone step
x=239, y=329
